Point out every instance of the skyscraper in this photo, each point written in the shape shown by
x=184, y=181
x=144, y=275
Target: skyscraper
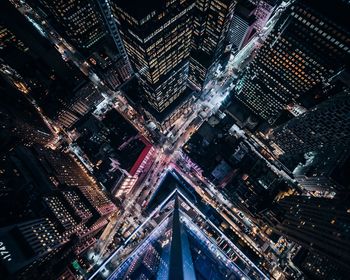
x=317, y=266
x=243, y=24
x=318, y=224
x=27, y=247
x=211, y=23
x=56, y=204
x=19, y=121
x=79, y=20
x=309, y=44
x=324, y=172
x=325, y=126
x=88, y=27
x=314, y=144
x=157, y=39
x=29, y=50
x=181, y=247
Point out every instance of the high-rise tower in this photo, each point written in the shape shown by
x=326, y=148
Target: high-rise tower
x=309, y=44
x=243, y=25
x=318, y=224
x=325, y=126
x=157, y=39
x=212, y=20
x=79, y=20
x=178, y=248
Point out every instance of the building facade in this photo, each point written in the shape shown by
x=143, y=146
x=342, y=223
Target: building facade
x=158, y=42
x=243, y=25
x=212, y=19
x=323, y=127
x=308, y=45
x=26, y=248
x=79, y=20
x=318, y=224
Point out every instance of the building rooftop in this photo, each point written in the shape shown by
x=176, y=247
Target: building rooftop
x=135, y=93
x=140, y=8
x=211, y=144
x=172, y=108
x=112, y=145
x=179, y=240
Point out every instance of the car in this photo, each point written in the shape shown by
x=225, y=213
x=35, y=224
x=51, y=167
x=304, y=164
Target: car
x=144, y=203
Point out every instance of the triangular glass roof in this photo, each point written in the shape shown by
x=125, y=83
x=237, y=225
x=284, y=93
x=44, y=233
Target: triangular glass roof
x=182, y=245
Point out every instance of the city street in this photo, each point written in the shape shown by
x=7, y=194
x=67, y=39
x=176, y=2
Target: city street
x=170, y=152
x=174, y=139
